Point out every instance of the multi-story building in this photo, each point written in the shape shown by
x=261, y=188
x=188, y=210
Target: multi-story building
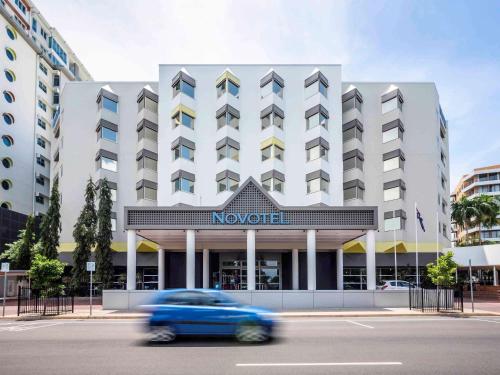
x=36, y=63
x=284, y=166
x=481, y=181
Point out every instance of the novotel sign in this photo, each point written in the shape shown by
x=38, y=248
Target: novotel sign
x=254, y=218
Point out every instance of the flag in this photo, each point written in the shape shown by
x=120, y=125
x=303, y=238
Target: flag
x=420, y=220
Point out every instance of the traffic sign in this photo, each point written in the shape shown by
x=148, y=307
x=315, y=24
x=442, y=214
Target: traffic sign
x=91, y=266
x=5, y=267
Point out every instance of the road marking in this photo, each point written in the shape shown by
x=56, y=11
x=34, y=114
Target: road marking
x=29, y=326
x=360, y=324
x=319, y=364
x=486, y=320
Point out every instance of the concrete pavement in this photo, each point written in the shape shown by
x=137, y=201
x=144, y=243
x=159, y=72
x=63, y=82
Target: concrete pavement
x=385, y=345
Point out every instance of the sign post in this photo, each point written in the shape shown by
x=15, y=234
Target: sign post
x=5, y=269
x=470, y=285
x=91, y=269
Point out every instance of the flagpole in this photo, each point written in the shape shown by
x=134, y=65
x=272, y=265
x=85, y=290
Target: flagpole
x=437, y=235
x=395, y=254
x=416, y=245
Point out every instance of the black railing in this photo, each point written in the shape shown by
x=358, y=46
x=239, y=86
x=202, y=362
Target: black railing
x=436, y=299
x=49, y=302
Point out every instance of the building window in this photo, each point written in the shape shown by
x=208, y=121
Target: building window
x=147, y=133
x=55, y=99
x=109, y=134
x=113, y=194
x=109, y=104
x=227, y=184
x=184, y=87
x=351, y=100
x=272, y=115
x=40, y=180
x=9, y=97
x=113, y=224
x=272, y=151
x=317, y=83
x=390, y=135
x=317, y=184
x=182, y=118
x=272, y=87
x=229, y=152
x=393, y=160
x=229, y=116
x=11, y=54
x=43, y=33
x=183, y=184
x=11, y=33
x=40, y=161
x=7, y=163
x=9, y=74
x=184, y=152
x=227, y=86
x=39, y=199
x=21, y=6
x=6, y=184
x=317, y=118
x=392, y=130
x=146, y=193
x=354, y=192
x=58, y=49
x=8, y=118
x=40, y=142
x=395, y=223
x=273, y=184
x=148, y=104
x=56, y=80
x=42, y=86
x=317, y=152
x=43, y=68
x=42, y=105
x=147, y=163
x=6, y=205
x=353, y=159
x=393, y=193
x=108, y=164
x=7, y=140
x=396, y=102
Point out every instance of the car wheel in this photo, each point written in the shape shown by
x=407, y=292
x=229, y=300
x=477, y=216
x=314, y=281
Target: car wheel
x=162, y=334
x=252, y=332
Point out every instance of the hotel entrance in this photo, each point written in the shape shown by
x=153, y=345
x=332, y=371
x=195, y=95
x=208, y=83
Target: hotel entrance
x=233, y=272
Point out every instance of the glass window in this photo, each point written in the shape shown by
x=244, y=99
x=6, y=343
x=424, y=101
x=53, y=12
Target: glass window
x=39, y=199
x=277, y=89
x=228, y=119
x=7, y=140
x=9, y=97
x=351, y=104
x=182, y=184
x=395, y=223
x=42, y=86
x=390, y=135
x=393, y=163
x=113, y=224
x=40, y=161
x=187, y=120
x=42, y=106
x=183, y=87
x=227, y=152
x=148, y=104
x=272, y=151
x=184, y=152
x=323, y=89
x=317, y=152
x=316, y=120
x=391, y=105
x=266, y=153
x=147, y=163
x=109, y=135
x=353, y=193
x=113, y=195
x=227, y=184
x=146, y=193
x=9, y=74
x=109, y=164
x=147, y=133
x=11, y=32
x=11, y=55
x=43, y=68
x=273, y=184
x=393, y=193
x=266, y=90
x=233, y=89
x=8, y=118
x=352, y=163
x=352, y=133
x=7, y=162
x=109, y=104
x=40, y=142
x=317, y=184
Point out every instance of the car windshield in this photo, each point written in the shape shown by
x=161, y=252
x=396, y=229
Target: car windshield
x=223, y=299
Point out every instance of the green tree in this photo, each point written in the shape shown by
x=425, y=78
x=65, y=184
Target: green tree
x=84, y=235
x=489, y=209
x=19, y=253
x=51, y=224
x=104, y=260
x=46, y=274
x=443, y=272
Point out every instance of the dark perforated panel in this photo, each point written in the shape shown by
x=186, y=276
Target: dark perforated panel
x=249, y=200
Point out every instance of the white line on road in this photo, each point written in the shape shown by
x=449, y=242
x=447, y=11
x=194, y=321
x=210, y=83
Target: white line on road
x=29, y=326
x=319, y=364
x=486, y=320
x=360, y=324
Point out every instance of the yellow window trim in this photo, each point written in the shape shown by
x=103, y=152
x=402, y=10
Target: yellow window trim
x=227, y=75
x=184, y=109
x=272, y=141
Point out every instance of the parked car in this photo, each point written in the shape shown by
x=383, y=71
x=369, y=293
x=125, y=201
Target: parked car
x=206, y=312
x=396, y=285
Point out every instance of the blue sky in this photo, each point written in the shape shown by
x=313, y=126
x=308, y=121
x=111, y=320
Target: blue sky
x=453, y=43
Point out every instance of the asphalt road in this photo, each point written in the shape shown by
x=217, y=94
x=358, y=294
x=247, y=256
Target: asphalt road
x=305, y=346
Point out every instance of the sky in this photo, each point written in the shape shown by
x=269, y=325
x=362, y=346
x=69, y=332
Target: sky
x=455, y=44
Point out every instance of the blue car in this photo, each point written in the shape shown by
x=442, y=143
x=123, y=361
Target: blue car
x=206, y=312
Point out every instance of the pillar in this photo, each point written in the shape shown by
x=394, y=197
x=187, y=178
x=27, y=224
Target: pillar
x=295, y=269
x=340, y=269
x=495, y=276
x=190, y=258
x=161, y=269
x=370, y=260
x=206, y=276
x=311, y=259
x=251, y=259
x=131, y=259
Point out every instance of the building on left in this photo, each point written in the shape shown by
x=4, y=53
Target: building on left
x=35, y=64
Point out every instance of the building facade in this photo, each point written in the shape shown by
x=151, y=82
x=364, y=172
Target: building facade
x=481, y=181
x=214, y=167
x=36, y=62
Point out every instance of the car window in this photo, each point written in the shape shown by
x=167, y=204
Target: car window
x=189, y=298
x=393, y=283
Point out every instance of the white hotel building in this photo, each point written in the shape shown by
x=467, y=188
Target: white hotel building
x=286, y=167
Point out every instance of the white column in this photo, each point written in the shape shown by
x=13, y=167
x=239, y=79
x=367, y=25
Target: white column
x=495, y=276
x=340, y=269
x=131, y=259
x=370, y=260
x=161, y=269
x=190, y=258
x=295, y=269
x=206, y=264
x=311, y=259
x=251, y=259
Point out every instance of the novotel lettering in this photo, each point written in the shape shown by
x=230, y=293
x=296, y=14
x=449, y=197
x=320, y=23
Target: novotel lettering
x=249, y=218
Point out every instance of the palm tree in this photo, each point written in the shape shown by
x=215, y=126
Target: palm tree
x=489, y=209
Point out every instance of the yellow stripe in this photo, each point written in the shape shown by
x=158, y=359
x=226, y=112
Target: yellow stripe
x=388, y=247
x=272, y=141
x=227, y=75
x=183, y=108
x=142, y=247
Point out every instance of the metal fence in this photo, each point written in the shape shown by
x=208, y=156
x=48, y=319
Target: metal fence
x=436, y=299
x=49, y=302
